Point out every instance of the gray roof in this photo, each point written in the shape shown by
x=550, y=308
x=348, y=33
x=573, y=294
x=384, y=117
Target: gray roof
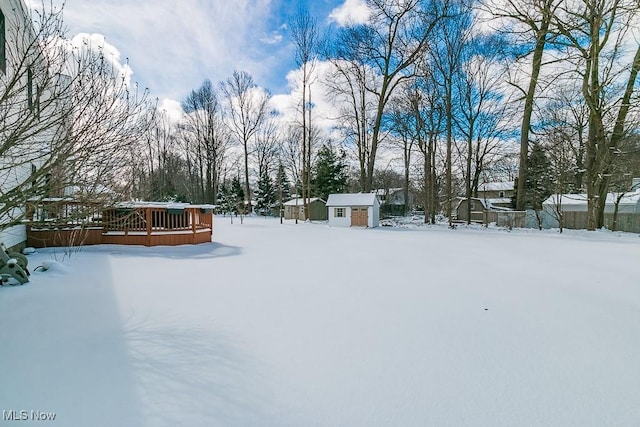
x=300, y=201
x=352, y=199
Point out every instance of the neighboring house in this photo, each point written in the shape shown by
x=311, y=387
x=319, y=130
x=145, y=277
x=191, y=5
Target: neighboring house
x=295, y=209
x=354, y=210
x=497, y=194
x=574, y=211
x=392, y=200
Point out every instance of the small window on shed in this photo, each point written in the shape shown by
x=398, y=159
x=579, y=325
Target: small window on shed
x=501, y=194
x=339, y=212
x=472, y=205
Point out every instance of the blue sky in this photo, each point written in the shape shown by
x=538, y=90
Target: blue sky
x=173, y=46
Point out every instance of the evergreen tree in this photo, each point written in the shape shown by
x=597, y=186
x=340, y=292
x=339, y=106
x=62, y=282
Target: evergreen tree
x=265, y=194
x=237, y=196
x=282, y=184
x=539, y=182
x=330, y=172
x=223, y=199
x=539, y=185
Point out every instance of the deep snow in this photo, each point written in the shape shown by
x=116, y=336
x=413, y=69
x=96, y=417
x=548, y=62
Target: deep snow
x=307, y=325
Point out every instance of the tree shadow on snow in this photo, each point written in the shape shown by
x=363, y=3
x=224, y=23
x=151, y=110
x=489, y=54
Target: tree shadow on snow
x=65, y=351
x=192, y=252
x=198, y=376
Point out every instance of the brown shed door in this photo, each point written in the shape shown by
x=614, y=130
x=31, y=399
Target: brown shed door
x=359, y=217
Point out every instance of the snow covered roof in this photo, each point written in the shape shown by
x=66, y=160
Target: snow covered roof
x=491, y=204
x=164, y=205
x=499, y=201
x=300, y=201
x=352, y=199
x=496, y=186
x=578, y=202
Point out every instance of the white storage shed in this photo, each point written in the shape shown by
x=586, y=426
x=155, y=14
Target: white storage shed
x=353, y=210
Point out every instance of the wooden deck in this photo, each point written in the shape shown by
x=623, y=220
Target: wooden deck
x=150, y=224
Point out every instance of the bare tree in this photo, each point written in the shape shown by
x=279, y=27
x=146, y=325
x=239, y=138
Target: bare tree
x=598, y=34
x=292, y=158
x=404, y=123
x=72, y=135
x=247, y=110
x=429, y=111
x=481, y=111
x=204, y=125
x=304, y=31
x=389, y=44
x=266, y=147
x=533, y=21
x=446, y=58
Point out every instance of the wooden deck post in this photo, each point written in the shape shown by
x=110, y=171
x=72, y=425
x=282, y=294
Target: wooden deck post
x=193, y=223
x=147, y=215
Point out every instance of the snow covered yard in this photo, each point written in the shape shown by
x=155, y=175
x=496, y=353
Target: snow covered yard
x=285, y=325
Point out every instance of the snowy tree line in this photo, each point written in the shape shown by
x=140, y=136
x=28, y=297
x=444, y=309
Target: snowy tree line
x=434, y=96
x=445, y=94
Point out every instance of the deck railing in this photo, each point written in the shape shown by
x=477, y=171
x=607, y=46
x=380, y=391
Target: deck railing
x=51, y=221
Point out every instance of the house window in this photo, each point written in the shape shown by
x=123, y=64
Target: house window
x=501, y=194
x=30, y=102
x=339, y=212
x=34, y=169
x=472, y=205
x=37, y=102
x=3, y=44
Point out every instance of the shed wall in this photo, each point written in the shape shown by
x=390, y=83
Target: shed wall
x=339, y=222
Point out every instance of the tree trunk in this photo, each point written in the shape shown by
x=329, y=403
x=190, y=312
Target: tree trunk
x=541, y=38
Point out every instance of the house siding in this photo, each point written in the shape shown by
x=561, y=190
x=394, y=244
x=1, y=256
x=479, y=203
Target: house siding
x=14, y=237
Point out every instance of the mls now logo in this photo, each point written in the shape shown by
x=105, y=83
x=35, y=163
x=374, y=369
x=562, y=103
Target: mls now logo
x=24, y=415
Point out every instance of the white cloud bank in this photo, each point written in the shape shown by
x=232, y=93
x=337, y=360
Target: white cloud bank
x=351, y=11
x=173, y=46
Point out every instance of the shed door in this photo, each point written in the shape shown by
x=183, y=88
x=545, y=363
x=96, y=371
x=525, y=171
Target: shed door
x=359, y=217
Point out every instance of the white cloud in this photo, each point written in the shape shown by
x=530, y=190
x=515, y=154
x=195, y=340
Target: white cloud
x=97, y=42
x=175, y=46
x=351, y=11
x=172, y=109
x=273, y=38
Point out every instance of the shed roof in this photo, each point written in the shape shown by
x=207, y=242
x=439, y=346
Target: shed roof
x=352, y=199
x=300, y=201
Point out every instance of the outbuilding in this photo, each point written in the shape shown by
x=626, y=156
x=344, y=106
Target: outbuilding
x=353, y=210
x=295, y=209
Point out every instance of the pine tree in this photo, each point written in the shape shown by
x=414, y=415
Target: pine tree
x=265, y=194
x=223, y=199
x=539, y=182
x=237, y=196
x=282, y=184
x=330, y=172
